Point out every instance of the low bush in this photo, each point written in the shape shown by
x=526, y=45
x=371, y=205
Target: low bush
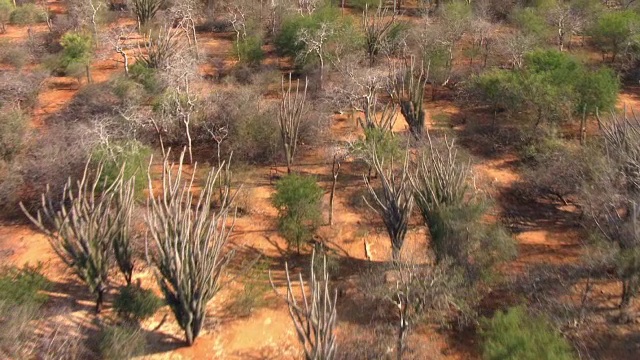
x=23, y=285
x=147, y=77
x=133, y=155
x=134, y=303
x=122, y=342
x=20, y=300
x=250, y=51
x=298, y=200
x=28, y=14
x=13, y=127
x=517, y=335
x=14, y=55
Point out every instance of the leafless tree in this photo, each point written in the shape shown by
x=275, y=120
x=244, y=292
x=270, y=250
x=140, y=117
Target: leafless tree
x=315, y=317
x=315, y=42
x=290, y=116
x=376, y=27
x=86, y=224
x=482, y=32
x=339, y=155
x=394, y=201
x=514, y=47
x=307, y=7
x=443, y=35
x=184, y=14
x=219, y=133
x=118, y=40
x=190, y=236
x=362, y=93
x=614, y=202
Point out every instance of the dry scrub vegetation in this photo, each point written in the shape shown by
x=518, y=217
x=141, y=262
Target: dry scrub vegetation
x=413, y=179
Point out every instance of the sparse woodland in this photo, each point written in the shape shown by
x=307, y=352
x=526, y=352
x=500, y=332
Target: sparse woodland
x=319, y=179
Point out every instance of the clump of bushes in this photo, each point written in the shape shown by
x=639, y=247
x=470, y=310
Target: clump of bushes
x=249, y=50
x=23, y=285
x=28, y=14
x=133, y=155
x=21, y=297
x=134, y=303
x=297, y=199
x=122, y=342
x=13, y=126
x=517, y=335
x=552, y=87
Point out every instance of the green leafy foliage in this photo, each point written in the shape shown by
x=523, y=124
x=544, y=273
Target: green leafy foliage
x=13, y=126
x=6, y=8
x=297, y=199
x=146, y=76
x=19, y=286
x=132, y=154
x=517, y=335
x=250, y=51
x=531, y=22
x=287, y=40
x=135, y=303
x=552, y=87
x=615, y=30
x=122, y=342
x=28, y=14
x=76, y=49
x=362, y=4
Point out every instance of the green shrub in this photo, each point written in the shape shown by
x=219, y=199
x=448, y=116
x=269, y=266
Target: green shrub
x=147, y=77
x=13, y=126
x=552, y=87
x=77, y=49
x=23, y=285
x=135, y=303
x=250, y=51
x=122, y=342
x=132, y=154
x=361, y=4
x=613, y=30
x=28, y=14
x=6, y=8
x=286, y=41
x=531, y=21
x=297, y=199
x=517, y=335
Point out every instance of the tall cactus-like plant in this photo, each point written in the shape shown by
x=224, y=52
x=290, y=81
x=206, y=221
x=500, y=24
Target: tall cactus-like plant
x=145, y=10
x=394, y=202
x=376, y=27
x=122, y=249
x=84, y=225
x=290, y=117
x=191, y=237
x=441, y=179
x=315, y=316
x=407, y=90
